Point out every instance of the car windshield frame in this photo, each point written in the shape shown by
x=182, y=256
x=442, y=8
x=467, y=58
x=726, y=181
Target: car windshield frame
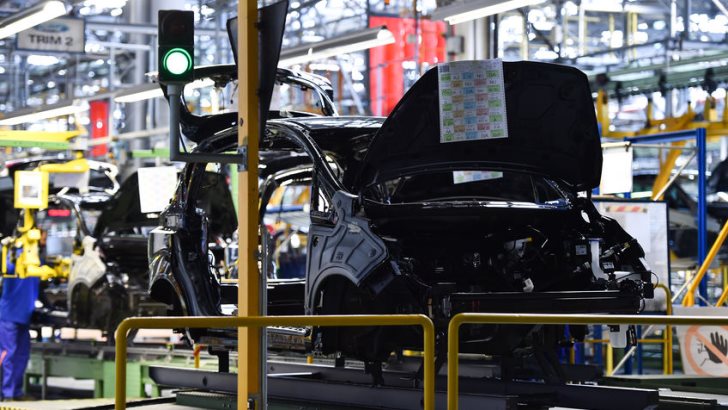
x=464, y=177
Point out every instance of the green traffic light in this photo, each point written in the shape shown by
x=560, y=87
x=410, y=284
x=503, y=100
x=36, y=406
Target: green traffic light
x=177, y=61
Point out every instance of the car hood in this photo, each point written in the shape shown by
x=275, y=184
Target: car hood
x=552, y=130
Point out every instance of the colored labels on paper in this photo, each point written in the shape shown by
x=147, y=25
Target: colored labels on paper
x=472, y=101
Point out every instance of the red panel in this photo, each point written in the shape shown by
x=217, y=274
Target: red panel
x=59, y=213
x=386, y=76
x=99, y=125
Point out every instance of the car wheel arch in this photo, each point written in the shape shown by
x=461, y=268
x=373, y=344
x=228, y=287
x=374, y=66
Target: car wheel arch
x=165, y=290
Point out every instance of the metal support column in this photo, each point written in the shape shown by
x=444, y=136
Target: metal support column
x=249, y=349
x=598, y=352
x=702, y=213
x=639, y=350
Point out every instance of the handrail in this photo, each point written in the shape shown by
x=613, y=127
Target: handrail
x=264, y=321
x=723, y=297
x=550, y=319
x=689, y=299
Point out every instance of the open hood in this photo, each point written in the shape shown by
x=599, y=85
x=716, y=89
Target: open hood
x=552, y=130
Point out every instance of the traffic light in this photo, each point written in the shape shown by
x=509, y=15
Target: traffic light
x=176, y=46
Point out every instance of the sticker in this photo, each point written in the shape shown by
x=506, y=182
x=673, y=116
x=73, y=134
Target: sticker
x=472, y=101
x=706, y=350
x=627, y=208
x=462, y=177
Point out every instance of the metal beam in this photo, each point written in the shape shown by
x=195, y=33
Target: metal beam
x=147, y=29
x=249, y=349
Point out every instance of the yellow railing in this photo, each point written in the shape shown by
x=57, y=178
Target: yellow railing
x=550, y=319
x=689, y=299
x=265, y=321
x=723, y=296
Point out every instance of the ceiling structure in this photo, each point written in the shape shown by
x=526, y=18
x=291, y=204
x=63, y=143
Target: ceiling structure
x=642, y=46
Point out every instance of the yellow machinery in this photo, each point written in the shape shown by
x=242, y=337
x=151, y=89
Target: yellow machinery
x=714, y=128
x=31, y=194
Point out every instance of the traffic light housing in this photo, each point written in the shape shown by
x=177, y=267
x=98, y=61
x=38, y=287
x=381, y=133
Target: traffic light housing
x=176, y=49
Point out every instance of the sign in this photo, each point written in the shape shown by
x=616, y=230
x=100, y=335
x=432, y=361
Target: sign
x=31, y=189
x=62, y=35
x=156, y=187
x=703, y=349
x=647, y=222
x=472, y=101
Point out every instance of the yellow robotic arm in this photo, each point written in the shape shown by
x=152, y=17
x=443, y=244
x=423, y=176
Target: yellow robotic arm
x=25, y=247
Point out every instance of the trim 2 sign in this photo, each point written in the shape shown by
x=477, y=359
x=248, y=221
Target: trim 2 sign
x=64, y=35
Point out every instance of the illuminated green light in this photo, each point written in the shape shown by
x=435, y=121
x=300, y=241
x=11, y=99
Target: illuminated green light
x=177, y=61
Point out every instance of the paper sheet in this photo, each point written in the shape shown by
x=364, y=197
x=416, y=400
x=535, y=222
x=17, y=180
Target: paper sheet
x=156, y=187
x=472, y=101
x=616, y=171
x=463, y=177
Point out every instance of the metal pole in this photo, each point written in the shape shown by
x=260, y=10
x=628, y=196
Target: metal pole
x=672, y=180
x=702, y=212
x=249, y=349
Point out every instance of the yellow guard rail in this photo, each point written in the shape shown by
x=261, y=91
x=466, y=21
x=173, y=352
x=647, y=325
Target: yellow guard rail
x=689, y=299
x=453, y=338
x=265, y=321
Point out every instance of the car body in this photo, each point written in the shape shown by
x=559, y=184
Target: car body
x=391, y=232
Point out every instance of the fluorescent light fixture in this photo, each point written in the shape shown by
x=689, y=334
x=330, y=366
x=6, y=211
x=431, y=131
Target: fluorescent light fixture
x=641, y=75
x=347, y=43
x=149, y=91
x=701, y=65
x=460, y=12
x=45, y=112
x=31, y=17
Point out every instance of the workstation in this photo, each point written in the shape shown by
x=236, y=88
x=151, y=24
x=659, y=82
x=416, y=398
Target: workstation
x=350, y=204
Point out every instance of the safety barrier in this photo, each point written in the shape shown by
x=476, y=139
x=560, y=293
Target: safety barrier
x=265, y=321
x=550, y=319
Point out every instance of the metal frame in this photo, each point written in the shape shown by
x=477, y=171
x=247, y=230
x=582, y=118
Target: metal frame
x=175, y=91
x=702, y=218
x=550, y=319
x=428, y=335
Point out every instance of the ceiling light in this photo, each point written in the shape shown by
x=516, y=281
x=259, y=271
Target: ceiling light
x=44, y=61
x=641, y=75
x=460, y=12
x=41, y=113
x=31, y=17
x=347, y=43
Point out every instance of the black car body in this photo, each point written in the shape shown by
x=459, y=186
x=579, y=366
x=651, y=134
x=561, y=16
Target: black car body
x=390, y=231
